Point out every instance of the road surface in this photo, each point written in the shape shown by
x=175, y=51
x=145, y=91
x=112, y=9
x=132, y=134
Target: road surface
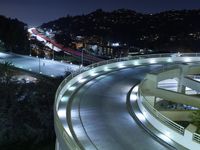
x=99, y=114
x=38, y=65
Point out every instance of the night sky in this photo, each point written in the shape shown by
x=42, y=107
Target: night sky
x=36, y=12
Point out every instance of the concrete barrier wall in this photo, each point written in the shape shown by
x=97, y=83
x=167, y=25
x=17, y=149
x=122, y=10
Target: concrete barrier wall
x=178, y=115
x=168, y=74
x=193, y=84
x=194, y=70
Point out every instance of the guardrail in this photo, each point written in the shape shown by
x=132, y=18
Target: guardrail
x=67, y=139
x=178, y=128
x=81, y=70
x=196, y=137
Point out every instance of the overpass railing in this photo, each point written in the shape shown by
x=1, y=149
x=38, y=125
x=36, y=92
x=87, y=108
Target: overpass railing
x=178, y=128
x=67, y=139
x=196, y=137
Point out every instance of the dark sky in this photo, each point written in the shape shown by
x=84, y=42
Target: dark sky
x=36, y=12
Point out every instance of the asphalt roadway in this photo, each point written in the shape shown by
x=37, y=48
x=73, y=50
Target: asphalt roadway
x=99, y=114
x=38, y=65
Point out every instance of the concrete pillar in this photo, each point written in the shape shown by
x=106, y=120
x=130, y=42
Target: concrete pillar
x=57, y=147
x=154, y=101
x=183, y=72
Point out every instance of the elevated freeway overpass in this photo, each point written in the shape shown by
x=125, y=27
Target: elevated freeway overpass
x=96, y=108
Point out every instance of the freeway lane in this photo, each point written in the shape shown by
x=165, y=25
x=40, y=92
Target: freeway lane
x=59, y=47
x=36, y=65
x=99, y=114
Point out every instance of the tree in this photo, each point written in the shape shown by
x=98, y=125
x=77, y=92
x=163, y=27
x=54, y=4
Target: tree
x=14, y=35
x=196, y=119
x=5, y=72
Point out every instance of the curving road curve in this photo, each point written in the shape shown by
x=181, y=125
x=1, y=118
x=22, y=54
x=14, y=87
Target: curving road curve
x=103, y=116
x=91, y=110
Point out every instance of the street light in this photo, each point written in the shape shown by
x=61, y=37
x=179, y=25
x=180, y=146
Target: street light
x=53, y=54
x=82, y=57
x=53, y=50
x=39, y=65
x=30, y=47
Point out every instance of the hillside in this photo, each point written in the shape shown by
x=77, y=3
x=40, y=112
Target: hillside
x=161, y=31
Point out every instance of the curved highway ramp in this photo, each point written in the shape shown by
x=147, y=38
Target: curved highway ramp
x=100, y=118
x=92, y=110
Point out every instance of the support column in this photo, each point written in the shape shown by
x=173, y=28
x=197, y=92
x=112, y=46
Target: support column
x=183, y=73
x=154, y=101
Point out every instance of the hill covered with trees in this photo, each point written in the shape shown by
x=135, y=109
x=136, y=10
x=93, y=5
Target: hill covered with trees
x=160, y=31
x=26, y=111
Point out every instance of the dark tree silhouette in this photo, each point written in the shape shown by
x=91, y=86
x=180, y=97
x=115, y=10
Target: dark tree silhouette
x=14, y=35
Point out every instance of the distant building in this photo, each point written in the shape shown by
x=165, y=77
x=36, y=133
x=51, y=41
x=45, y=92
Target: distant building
x=107, y=51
